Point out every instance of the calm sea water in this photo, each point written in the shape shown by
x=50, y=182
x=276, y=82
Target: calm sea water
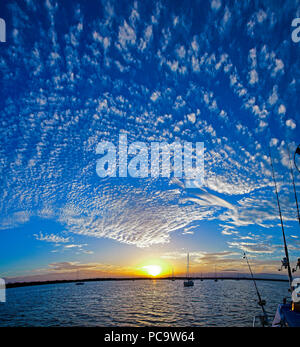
x=139, y=303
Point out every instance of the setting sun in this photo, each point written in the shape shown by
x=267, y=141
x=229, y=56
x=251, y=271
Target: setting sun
x=153, y=270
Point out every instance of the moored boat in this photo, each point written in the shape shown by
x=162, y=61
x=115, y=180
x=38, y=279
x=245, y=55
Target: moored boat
x=188, y=282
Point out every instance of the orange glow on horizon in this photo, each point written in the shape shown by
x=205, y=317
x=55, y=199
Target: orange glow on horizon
x=153, y=270
x=153, y=267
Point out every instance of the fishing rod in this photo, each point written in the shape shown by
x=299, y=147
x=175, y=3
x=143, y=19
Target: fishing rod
x=286, y=260
x=293, y=180
x=296, y=152
x=261, y=303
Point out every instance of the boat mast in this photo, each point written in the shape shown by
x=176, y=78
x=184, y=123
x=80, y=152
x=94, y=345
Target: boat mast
x=188, y=266
x=288, y=265
x=293, y=180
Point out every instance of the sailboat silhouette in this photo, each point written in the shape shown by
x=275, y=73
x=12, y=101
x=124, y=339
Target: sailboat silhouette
x=188, y=282
x=78, y=283
x=173, y=278
x=216, y=280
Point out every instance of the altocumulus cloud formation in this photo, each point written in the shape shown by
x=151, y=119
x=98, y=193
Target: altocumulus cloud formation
x=76, y=73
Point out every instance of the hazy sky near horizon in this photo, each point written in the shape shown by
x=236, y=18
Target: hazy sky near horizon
x=75, y=73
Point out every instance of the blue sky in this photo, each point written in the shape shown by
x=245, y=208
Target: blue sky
x=75, y=73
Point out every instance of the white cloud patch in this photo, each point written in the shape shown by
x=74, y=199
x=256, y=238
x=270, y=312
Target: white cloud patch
x=281, y=109
x=155, y=96
x=291, y=124
x=249, y=247
x=253, y=77
x=51, y=238
x=192, y=117
x=127, y=35
x=216, y=4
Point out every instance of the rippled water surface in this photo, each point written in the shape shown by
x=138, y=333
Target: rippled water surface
x=139, y=303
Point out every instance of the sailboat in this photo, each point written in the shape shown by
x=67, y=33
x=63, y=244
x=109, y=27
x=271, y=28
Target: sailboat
x=188, y=282
x=78, y=283
x=216, y=280
x=173, y=278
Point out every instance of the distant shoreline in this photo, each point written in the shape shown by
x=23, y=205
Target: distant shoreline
x=37, y=283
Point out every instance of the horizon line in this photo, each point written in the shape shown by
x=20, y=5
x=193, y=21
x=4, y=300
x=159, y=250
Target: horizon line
x=100, y=279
